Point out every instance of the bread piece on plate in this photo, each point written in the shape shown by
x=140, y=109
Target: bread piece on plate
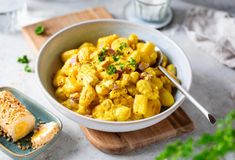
x=15, y=120
x=44, y=134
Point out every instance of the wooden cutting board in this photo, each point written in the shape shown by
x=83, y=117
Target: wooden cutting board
x=114, y=143
x=118, y=143
x=55, y=24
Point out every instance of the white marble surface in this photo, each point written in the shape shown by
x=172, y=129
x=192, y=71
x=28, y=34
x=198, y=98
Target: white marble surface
x=212, y=83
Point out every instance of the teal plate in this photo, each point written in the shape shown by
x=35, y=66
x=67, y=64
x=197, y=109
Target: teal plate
x=41, y=114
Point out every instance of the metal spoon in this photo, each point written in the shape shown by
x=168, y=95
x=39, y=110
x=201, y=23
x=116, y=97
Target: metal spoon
x=209, y=116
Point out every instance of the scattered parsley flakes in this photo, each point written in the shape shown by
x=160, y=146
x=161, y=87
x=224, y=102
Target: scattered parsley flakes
x=123, y=45
x=116, y=58
x=121, y=66
x=132, y=62
x=24, y=59
x=27, y=68
x=40, y=29
x=111, y=69
x=102, y=55
x=119, y=52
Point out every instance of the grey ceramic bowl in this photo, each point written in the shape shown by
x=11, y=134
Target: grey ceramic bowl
x=49, y=62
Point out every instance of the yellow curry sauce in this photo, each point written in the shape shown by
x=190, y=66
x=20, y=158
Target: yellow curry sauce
x=114, y=80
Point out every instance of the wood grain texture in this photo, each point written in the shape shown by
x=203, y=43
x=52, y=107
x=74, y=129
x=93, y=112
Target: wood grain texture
x=118, y=143
x=55, y=24
x=114, y=143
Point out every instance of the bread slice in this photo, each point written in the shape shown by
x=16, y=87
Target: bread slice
x=15, y=120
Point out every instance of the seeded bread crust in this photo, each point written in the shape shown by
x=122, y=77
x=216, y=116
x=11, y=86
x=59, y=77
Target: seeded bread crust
x=11, y=110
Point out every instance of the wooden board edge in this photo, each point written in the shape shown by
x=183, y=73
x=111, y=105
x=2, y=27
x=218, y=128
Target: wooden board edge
x=104, y=148
x=102, y=10
x=29, y=40
x=127, y=148
x=186, y=129
x=93, y=10
x=65, y=15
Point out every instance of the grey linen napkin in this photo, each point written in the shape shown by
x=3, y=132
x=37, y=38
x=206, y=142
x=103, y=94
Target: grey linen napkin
x=214, y=32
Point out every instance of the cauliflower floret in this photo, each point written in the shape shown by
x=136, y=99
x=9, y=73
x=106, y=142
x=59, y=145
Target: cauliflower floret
x=125, y=100
x=104, y=110
x=122, y=113
x=88, y=94
x=115, y=93
x=104, y=87
x=68, y=54
x=144, y=87
x=134, y=77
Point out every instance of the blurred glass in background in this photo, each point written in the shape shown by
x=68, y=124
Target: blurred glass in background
x=39, y=10
x=152, y=10
x=11, y=12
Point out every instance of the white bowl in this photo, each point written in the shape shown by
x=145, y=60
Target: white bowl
x=49, y=62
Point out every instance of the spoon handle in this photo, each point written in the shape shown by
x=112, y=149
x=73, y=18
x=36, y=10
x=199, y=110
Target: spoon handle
x=209, y=116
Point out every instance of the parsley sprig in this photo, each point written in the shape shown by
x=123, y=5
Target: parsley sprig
x=208, y=147
x=24, y=60
x=39, y=29
x=27, y=68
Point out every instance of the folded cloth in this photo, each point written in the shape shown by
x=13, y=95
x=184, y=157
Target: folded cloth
x=214, y=32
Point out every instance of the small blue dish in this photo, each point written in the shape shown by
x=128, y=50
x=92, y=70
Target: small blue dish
x=41, y=114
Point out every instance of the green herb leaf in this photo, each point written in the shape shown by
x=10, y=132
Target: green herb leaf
x=116, y=58
x=24, y=59
x=40, y=29
x=123, y=45
x=121, y=66
x=102, y=55
x=132, y=62
x=209, y=146
x=111, y=69
x=27, y=68
x=119, y=52
x=205, y=139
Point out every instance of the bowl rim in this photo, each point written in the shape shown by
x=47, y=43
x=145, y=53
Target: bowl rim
x=49, y=97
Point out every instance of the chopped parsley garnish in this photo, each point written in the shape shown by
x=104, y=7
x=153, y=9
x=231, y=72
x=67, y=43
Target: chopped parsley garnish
x=123, y=45
x=27, y=68
x=24, y=59
x=102, y=55
x=119, y=52
x=121, y=66
x=132, y=62
x=111, y=69
x=116, y=58
x=40, y=29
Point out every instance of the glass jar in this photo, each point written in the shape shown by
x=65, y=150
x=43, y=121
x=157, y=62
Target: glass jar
x=152, y=10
